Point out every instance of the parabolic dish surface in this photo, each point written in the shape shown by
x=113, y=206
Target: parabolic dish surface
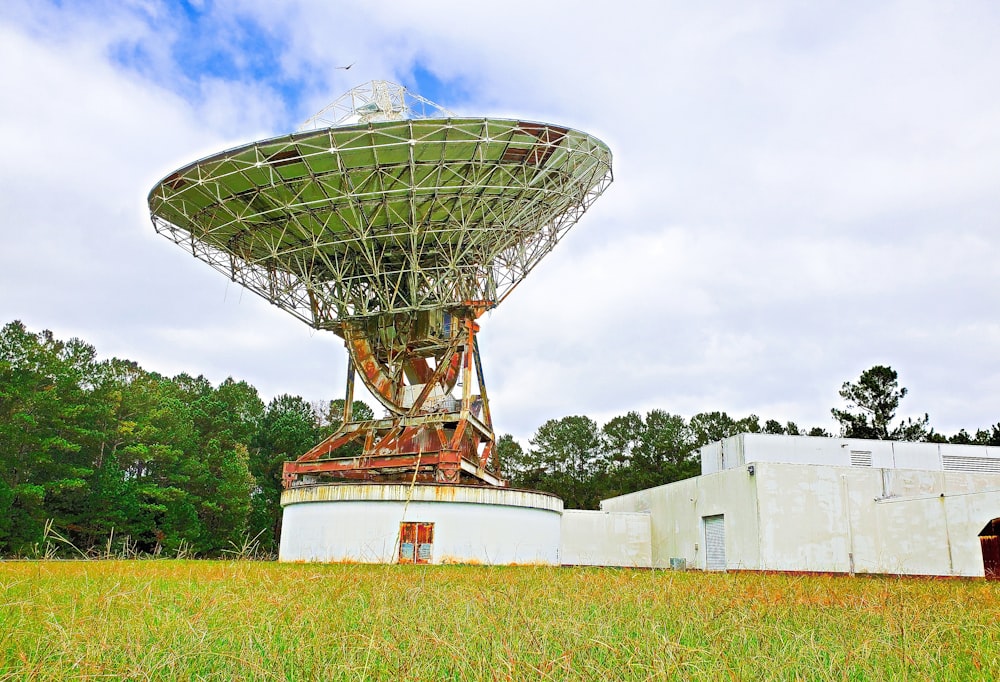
x=363, y=220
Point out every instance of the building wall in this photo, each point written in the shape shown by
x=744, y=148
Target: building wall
x=746, y=448
x=893, y=521
x=804, y=522
x=600, y=538
x=799, y=517
x=677, y=513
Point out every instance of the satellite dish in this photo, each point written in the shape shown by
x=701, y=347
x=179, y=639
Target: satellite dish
x=395, y=224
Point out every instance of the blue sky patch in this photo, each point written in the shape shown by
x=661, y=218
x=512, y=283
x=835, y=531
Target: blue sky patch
x=212, y=44
x=450, y=94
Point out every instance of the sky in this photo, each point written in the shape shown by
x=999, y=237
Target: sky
x=802, y=190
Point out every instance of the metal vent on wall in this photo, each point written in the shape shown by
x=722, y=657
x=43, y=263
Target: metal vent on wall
x=861, y=458
x=982, y=465
x=715, y=543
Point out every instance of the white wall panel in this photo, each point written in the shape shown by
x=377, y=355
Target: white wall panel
x=600, y=538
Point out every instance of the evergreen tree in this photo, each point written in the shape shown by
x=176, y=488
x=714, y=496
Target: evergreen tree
x=872, y=402
x=287, y=430
x=567, y=455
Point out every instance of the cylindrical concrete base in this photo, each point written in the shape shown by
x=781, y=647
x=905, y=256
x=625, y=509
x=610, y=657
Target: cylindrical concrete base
x=363, y=522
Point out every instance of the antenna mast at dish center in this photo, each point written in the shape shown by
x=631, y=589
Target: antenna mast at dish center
x=394, y=224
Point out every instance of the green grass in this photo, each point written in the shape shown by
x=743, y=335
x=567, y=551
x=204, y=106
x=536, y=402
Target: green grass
x=255, y=620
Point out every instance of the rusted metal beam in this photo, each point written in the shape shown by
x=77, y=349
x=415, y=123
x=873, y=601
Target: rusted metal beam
x=487, y=417
x=397, y=357
x=349, y=398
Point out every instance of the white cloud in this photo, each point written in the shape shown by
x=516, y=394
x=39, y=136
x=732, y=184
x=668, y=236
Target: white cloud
x=801, y=191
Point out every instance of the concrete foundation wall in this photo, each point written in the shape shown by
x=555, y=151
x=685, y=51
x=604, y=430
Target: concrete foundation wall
x=599, y=538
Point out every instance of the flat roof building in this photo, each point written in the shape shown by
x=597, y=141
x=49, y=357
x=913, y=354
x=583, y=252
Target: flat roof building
x=801, y=503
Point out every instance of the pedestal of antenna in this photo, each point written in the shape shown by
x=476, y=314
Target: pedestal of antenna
x=412, y=363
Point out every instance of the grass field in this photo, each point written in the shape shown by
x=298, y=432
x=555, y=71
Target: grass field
x=255, y=620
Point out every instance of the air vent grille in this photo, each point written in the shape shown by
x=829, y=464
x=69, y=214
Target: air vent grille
x=861, y=458
x=983, y=465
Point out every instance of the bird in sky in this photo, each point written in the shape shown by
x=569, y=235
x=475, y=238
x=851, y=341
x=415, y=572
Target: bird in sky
x=345, y=68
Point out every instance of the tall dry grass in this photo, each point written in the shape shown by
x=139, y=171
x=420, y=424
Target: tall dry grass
x=254, y=620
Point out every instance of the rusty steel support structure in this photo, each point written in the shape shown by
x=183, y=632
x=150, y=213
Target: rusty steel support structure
x=411, y=363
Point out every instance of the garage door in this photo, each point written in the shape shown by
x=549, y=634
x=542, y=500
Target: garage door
x=715, y=543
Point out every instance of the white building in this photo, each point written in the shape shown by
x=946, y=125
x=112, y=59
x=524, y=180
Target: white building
x=441, y=524
x=800, y=503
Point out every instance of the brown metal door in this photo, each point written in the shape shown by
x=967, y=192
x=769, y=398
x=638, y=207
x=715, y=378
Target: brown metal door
x=989, y=538
x=416, y=542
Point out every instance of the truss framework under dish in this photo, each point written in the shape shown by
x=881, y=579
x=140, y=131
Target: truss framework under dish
x=429, y=435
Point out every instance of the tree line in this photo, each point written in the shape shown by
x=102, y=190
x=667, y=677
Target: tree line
x=584, y=463
x=116, y=457
x=113, y=456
